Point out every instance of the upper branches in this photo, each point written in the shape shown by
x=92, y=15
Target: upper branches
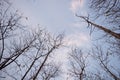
x=108, y=8
x=35, y=47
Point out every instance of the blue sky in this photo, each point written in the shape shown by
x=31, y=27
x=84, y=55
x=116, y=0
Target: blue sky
x=57, y=16
x=53, y=14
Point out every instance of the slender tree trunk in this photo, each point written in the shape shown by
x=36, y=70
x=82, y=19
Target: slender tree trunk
x=3, y=42
x=28, y=69
x=113, y=76
x=43, y=63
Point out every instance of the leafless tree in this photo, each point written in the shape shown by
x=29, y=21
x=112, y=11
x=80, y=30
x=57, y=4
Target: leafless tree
x=9, y=24
x=45, y=45
x=78, y=63
x=104, y=58
x=109, y=12
x=24, y=53
x=42, y=44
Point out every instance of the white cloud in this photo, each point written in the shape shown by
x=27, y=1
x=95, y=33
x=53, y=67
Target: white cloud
x=78, y=40
x=76, y=4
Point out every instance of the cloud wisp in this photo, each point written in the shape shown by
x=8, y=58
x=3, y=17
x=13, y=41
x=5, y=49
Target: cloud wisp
x=75, y=5
x=78, y=40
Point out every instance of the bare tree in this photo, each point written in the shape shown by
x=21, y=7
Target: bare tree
x=104, y=58
x=41, y=43
x=24, y=54
x=78, y=63
x=109, y=10
x=44, y=47
x=54, y=43
x=104, y=55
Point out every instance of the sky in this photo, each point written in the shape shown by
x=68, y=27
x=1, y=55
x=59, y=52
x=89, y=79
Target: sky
x=57, y=16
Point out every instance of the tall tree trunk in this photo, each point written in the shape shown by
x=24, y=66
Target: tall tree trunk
x=116, y=35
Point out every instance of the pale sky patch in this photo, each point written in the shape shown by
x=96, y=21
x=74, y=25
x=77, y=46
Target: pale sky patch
x=81, y=25
x=61, y=57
